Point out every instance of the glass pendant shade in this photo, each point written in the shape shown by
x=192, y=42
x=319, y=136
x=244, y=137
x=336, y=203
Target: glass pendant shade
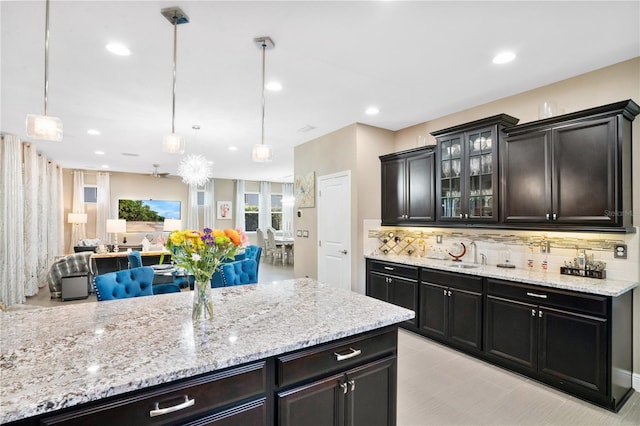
x=262, y=153
x=173, y=143
x=44, y=127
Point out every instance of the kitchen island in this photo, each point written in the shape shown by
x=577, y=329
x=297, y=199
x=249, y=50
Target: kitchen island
x=57, y=362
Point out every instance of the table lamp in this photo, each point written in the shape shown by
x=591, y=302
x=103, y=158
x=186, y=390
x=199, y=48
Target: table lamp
x=114, y=226
x=172, y=225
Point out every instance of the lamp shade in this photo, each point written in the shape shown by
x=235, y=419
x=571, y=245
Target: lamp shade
x=172, y=225
x=44, y=127
x=262, y=153
x=77, y=218
x=116, y=226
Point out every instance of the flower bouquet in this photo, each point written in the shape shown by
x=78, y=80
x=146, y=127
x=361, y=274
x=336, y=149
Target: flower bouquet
x=201, y=253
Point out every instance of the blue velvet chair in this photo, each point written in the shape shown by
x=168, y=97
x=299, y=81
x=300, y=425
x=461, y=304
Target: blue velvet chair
x=135, y=259
x=126, y=283
x=254, y=252
x=241, y=272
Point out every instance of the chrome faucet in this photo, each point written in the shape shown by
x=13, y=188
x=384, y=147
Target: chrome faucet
x=475, y=252
x=483, y=259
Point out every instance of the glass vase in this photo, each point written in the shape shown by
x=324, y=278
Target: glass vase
x=202, y=303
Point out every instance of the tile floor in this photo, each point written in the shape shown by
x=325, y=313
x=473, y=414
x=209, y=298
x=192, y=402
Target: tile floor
x=440, y=386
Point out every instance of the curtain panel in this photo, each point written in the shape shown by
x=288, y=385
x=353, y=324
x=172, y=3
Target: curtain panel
x=240, y=205
x=103, y=205
x=35, y=263
x=264, y=211
x=78, y=230
x=209, y=211
x=192, y=208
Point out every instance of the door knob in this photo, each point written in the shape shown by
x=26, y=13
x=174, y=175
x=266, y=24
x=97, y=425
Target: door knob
x=343, y=251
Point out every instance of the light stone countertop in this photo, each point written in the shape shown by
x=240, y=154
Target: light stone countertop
x=604, y=287
x=58, y=357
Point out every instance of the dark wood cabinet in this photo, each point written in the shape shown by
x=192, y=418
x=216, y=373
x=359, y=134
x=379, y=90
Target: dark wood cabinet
x=451, y=308
x=570, y=170
x=467, y=172
x=394, y=283
x=351, y=383
x=359, y=396
x=408, y=187
x=573, y=341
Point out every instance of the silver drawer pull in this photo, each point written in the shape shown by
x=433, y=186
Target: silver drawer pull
x=344, y=387
x=162, y=411
x=389, y=268
x=354, y=352
x=541, y=296
x=353, y=384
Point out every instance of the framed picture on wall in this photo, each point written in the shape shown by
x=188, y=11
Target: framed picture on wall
x=304, y=188
x=224, y=210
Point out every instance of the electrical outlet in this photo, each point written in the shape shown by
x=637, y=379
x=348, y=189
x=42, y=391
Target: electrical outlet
x=620, y=251
x=438, y=239
x=298, y=233
x=305, y=234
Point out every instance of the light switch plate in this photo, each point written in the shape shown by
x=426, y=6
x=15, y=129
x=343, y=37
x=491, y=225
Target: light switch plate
x=438, y=239
x=305, y=234
x=620, y=251
x=298, y=233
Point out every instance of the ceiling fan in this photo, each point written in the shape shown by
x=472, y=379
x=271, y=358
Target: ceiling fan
x=157, y=174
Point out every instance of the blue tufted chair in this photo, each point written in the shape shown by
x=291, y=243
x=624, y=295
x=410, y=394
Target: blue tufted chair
x=125, y=283
x=135, y=259
x=240, y=272
x=254, y=252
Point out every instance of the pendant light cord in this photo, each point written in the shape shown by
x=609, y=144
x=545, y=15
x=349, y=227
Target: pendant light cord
x=46, y=56
x=264, y=47
x=175, y=49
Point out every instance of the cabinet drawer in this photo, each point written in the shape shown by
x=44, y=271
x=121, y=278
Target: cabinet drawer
x=394, y=269
x=452, y=279
x=208, y=393
x=334, y=357
x=578, y=302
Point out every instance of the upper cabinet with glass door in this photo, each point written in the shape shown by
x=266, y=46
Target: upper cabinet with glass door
x=467, y=171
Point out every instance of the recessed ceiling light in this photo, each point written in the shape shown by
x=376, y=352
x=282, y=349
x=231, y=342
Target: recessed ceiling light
x=210, y=162
x=372, y=110
x=273, y=86
x=504, y=57
x=93, y=132
x=105, y=166
x=118, y=49
x=233, y=148
x=99, y=152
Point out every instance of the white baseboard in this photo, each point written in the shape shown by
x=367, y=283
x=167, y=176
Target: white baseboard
x=636, y=382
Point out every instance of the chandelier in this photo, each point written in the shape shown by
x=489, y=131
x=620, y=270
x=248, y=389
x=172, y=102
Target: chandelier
x=194, y=169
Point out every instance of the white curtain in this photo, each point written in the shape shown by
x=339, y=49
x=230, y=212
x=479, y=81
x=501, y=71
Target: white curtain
x=240, y=205
x=12, y=271
x=287, y=208
x=192, y=208
x=264, y=212
x=209, y=216
x=103, y=205
x=43, y=220
x=35, y=264
x=78, y=230
x=55, y=240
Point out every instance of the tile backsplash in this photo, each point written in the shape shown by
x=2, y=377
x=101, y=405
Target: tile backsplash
x=521, y=246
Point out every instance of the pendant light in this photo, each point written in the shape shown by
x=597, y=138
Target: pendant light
x=263, y=153
x=195, y=169
x=174, y=143
x=45, y=127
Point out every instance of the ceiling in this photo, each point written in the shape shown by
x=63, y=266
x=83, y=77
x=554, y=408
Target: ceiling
x=414, y=60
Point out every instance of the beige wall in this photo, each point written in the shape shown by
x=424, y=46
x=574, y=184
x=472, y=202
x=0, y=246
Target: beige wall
x=607, y=85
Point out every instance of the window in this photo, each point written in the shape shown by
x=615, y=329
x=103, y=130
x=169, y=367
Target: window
x=251, y=208
x=90, y=194
x=276, y=211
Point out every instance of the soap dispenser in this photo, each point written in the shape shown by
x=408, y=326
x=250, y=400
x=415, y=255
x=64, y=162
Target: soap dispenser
x=505, y=258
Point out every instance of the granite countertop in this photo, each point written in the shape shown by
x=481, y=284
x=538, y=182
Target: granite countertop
x=604, y=287
x=59, y=357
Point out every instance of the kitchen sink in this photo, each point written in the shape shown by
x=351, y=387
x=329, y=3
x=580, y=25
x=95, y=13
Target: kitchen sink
x=466, y=265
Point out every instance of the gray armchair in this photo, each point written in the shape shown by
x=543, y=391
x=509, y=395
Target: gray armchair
x=73, y=264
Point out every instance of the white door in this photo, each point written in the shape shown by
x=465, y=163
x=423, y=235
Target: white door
x=334, y=229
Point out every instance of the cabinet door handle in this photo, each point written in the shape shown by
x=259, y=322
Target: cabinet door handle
x=344, y=387
x=449, y=294
x=466, y=215
x=389, y=268
x=539, y=296
x=461, y=216
x=162, y=411
x=354, y=352
x=540, y=314
x=352, y=382
x=555, y=216
x=445, y=292
x=533, y=312
x=547, y=215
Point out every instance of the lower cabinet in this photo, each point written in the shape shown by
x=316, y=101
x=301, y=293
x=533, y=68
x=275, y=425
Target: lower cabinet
x=359, y=396
x=570, y=340
x=394, y=283
x=451, y=308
